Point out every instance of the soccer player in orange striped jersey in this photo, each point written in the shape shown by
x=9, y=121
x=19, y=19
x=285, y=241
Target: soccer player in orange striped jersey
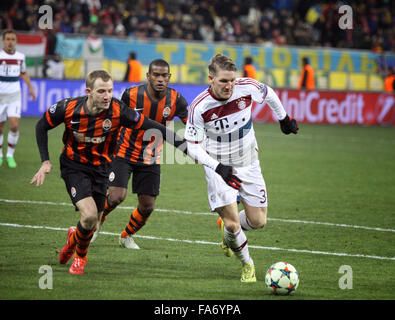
x=139, y=152
x=91, y=129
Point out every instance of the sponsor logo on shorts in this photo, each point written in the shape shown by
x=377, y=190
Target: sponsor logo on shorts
x=73, y=192
x=111, y=177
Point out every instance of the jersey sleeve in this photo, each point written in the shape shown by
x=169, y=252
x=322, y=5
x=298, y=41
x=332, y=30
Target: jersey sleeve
x=257, y=89
x=23, y=64
x=263, y=93
x=275, y=104
x=194, y=129
x=56, y=113
x=130, y=118
x=52, y=117
x=181, y=108
x=126, y=97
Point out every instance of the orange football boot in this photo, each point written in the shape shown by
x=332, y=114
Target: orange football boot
x=78, y=265
x=68, y=250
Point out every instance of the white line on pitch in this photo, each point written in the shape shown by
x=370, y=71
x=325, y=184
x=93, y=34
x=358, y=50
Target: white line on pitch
x=209, y=242
x=210, y=213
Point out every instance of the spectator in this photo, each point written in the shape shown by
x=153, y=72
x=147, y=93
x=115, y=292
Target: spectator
x=285, y=22
x=249, y=69
x=55, y=68
x=134, y=69
x=389, y=82
x=306, y=80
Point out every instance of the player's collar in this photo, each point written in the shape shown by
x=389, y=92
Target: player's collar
x=8, y=52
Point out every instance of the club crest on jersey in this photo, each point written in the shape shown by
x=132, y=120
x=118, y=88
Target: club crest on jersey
x=107, y=124
x=241, y=104
x=111, y=177
x=73, y=192
x=166, y=112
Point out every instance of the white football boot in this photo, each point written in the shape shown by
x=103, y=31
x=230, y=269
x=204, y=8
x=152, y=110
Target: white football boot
x=128, y=243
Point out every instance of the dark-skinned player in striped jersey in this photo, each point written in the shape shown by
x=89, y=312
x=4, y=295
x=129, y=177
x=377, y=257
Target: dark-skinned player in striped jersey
x=139, y=154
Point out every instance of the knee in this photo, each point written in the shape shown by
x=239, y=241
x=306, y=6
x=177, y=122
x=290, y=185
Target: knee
x=116, y=197
x=231, y=225
x=259, y=221
x=146, y=209
x=146, y=205
x=89, y=221
x=259, y=224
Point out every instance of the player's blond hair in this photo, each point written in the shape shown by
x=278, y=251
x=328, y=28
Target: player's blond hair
x=220, y=62
x=96, y=74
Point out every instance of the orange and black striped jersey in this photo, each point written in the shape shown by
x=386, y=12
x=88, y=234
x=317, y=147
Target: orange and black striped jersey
x=138, y=146
x=89, y=139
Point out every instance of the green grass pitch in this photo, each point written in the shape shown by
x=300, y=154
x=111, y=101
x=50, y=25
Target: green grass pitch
x=331, y=192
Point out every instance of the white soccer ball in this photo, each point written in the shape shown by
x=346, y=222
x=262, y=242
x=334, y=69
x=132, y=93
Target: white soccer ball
x=282, y=278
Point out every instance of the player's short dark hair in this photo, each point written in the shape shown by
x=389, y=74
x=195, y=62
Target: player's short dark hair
x=158, y=63
x=8, y=31
x=96, y=74
x=221, y=62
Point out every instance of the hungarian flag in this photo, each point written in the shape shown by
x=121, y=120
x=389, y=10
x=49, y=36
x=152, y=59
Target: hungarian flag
x=33, y=46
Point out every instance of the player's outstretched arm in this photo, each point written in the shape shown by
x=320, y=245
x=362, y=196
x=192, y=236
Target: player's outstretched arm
x=287, y=124
x=167, y=134
x=134, y=120
x=39, y=177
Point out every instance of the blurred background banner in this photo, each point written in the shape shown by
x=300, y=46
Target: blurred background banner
x=316, y=106
x=329, y=107
x=191, y=53
x=278, y=66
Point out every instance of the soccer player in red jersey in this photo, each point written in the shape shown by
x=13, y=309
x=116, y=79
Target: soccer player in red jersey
x=138, y=152
x=91, y=123
x=220, y=127
x=13, y=67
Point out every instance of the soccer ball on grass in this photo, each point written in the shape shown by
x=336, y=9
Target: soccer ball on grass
x=282, y=278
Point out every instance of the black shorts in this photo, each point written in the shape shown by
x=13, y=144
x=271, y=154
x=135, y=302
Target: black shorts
x=83, y=181
x=146, y=178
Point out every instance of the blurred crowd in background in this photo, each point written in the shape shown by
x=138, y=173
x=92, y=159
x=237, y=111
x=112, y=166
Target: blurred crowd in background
x=283, y=22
